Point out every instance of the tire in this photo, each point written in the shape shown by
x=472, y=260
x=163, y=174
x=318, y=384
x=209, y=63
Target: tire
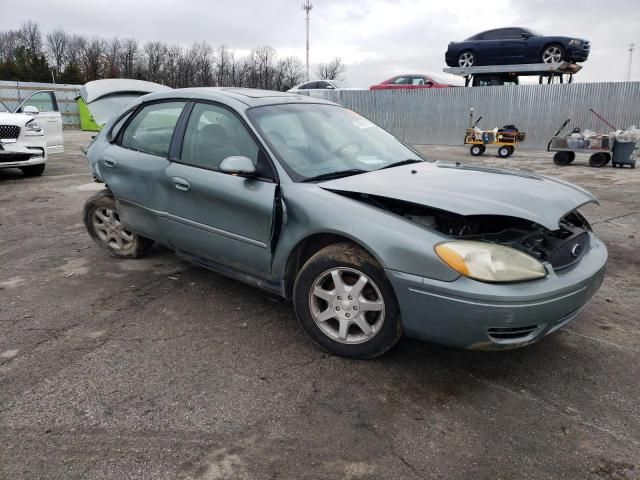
x=563, y=158
x=101, y=220
x=33, y=170
x=504, y=151
x=334, y=321
x=553, y=53
x=511, y=149
x=477, y=150
x=467, y=59
x=598, y=160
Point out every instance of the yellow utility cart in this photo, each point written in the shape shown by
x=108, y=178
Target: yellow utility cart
x=505, y=139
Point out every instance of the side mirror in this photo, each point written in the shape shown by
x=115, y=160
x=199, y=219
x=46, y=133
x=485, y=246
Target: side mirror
x=238, y=165
x=31, y=110
x=330, y=87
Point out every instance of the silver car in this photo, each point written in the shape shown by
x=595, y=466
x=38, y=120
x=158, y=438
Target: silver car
x=312, y=202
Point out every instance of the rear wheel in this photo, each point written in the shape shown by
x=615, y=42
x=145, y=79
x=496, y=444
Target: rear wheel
x=600, y=159
x=345, y=303
x=467, y=59
x=477, y=150
x=33, y=170
x=552, y=54
x=102, y=221
x=564, y=158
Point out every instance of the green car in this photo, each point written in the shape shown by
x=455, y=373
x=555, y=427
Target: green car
x=312, y=202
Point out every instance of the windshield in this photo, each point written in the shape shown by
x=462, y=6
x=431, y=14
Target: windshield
x=314, y=139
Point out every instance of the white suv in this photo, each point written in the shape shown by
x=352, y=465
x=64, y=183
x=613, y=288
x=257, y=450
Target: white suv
x=30, y=132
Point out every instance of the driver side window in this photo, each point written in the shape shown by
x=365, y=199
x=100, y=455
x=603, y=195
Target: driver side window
x=151, y=129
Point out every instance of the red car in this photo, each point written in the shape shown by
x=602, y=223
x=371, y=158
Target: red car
x=411, y=81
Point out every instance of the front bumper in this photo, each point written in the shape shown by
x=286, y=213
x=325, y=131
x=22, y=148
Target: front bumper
x=31, y=151
x=577, y=54
x=470, y=314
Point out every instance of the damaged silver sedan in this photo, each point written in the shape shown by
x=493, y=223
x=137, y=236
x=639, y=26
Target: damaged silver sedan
x=312, y=202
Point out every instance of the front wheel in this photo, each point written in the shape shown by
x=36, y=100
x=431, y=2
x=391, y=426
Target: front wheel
x=564, y=158
x=504, y=151
x=346, y=304
x=102, y=221
x=552, y=54
x=33, y=170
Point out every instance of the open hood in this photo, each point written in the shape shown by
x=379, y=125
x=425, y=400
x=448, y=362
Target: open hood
x=471, y=190
x=105, y=98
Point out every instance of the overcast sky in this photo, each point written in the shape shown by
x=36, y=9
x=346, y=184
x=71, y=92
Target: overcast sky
x=377, y=39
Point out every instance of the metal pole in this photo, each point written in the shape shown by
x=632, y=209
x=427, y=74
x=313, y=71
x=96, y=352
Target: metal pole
x=307, y=6
x=631, y=48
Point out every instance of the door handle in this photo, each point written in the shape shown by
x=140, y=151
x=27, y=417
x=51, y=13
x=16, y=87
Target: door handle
x=109, y=162
x=181, y=184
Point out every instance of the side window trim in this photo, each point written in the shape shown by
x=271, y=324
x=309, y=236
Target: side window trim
x=136, y=112
x=175, y=152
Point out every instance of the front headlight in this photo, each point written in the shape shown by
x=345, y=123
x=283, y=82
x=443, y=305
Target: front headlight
x=32, y=126
x=575, y=42
x=489, y=262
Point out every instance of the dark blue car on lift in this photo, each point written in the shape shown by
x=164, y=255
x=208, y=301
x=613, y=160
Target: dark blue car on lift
x=515, y=45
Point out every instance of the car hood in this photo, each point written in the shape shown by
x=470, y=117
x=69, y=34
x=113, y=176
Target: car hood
x=16, y=119
x=471, y=190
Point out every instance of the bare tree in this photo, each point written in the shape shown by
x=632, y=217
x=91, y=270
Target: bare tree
x=30, y=37
x=77, y=44
x=93, y=58
x=154, y=53
x=57, y=42
x=128, y=57
x=334, y=70
x=9, y=43
x=112, y=57
x=202, y=55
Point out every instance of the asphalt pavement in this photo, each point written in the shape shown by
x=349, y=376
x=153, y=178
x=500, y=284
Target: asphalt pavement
x=158, y=369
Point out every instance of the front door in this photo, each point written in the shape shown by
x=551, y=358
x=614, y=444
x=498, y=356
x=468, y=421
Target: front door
x=48, y=117
x=224, y=218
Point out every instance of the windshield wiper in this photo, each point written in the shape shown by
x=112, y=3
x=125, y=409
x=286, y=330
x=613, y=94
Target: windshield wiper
x=402, y=162
x=336, y=174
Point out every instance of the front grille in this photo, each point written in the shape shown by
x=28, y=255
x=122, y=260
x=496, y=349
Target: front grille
x=9, y=132
x=511, y=333
x=569, y=252
x=14, y=157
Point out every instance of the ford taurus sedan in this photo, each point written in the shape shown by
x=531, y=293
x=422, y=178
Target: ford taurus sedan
x=312, y=202
x=507, y=46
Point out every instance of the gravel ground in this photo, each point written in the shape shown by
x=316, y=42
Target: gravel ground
x=158, y=369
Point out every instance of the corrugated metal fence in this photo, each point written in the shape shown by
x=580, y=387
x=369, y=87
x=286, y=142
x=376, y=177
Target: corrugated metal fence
x=12, y=94
x=440, y=116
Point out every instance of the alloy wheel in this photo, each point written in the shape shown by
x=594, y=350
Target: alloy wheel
x=552, y=55
x=346, y=305
x=106, y=223
x=466, y=59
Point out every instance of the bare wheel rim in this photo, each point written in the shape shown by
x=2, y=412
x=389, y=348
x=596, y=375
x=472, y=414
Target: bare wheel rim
x=106, y=223
x=466, y=59
x=552, y=55
x=346, y=305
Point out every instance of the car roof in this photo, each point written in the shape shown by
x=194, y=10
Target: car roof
x=235, y=96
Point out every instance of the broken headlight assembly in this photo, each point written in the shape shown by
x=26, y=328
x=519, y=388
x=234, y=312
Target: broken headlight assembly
x=489, y=262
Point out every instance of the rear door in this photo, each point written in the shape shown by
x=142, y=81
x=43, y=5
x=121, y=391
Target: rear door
x=48, y=117
x=513, y=45
x=134, y=165
x=223, y=218
x=489, y=48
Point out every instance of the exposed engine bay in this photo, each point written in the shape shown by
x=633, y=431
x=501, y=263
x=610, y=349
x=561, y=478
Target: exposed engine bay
x=561, y=248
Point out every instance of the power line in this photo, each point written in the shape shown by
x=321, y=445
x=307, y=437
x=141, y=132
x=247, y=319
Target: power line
x=307, y=6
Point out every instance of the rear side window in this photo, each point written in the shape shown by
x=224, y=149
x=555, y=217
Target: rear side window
x=151, y=129
x=492, y=35
x=511, y=33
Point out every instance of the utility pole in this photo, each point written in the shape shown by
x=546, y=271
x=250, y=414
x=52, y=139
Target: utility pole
x=631, y=48
x=306, y=6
